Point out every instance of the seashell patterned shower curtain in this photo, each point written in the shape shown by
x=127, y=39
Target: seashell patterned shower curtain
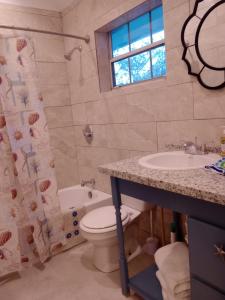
x=31, y=224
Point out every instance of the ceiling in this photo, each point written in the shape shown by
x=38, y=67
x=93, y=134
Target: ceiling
x=57, y=5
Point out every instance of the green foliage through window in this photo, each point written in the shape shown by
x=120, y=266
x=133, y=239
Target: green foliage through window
x=134, y=35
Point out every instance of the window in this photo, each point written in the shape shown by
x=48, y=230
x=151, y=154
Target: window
x=130, y=48
x=138, y=50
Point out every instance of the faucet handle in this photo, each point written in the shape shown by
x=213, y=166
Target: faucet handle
x=93, y=182
x=204, y=149
x=188, y=144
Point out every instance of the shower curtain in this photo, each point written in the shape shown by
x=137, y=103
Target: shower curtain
x=31, y=224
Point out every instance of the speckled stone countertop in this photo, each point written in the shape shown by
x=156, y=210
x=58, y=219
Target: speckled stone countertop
x=199, y=183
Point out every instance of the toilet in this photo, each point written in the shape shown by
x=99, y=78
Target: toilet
x=99, y=228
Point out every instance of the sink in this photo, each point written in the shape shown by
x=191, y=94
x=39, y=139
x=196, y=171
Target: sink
x=177, y=160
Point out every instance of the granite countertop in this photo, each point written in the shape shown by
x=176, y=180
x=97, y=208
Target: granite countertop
x=199, y=183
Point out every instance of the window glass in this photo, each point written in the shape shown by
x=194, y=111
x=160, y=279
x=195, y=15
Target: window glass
x=140, y=67
x=157, y=24
x=140, y=32
x=158, y=61
x=121, y=72
x=120, y=40
x=134, y=36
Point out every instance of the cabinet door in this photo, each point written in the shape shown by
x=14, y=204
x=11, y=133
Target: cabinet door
x=200, y=291
x=205, y=263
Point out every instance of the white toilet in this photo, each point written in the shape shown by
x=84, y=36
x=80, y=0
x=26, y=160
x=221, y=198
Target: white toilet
x=99, y=228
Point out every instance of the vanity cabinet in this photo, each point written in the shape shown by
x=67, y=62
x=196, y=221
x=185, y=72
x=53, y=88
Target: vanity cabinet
x=200, y=195
x=207, y=258
x=207, y=269
x=201, y=291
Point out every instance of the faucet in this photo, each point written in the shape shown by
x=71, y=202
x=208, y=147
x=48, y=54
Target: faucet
x=90, y=183
x=193, y=148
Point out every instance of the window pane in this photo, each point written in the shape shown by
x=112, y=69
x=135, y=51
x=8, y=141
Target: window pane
x=120, y=40
x=158, y=61
x=157, y=24
x=140, y=67
x=140, y=32
x=121, y=72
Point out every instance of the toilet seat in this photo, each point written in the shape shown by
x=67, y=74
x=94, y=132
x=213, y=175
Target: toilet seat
x=103, y=219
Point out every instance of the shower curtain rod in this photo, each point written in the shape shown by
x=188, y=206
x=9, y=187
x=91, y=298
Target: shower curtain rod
x=86, y=38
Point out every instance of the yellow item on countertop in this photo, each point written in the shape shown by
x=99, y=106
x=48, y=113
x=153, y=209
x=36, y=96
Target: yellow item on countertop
x=222, y=142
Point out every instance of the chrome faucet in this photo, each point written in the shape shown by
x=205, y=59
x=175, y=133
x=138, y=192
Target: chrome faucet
x=193, y=148
x=90, y=183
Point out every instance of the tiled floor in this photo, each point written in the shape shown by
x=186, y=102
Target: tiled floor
x=68, y=276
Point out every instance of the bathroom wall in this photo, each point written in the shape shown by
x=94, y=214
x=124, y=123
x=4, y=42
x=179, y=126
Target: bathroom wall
x=54, y=83
x=141, y=118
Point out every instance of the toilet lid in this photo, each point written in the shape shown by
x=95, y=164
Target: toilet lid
x=103, y=217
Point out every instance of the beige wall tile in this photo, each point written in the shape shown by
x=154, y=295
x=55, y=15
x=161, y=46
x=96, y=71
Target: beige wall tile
x=116, y=108
x=174, y=20
x=207, y=132
x=93, y=157
x=49, y=48
x=63, y=146
x=169, y=5
x=63, y=140
x=105, y=111
x=136, y=136
x=90, y=158
x=52, y=73
x=97, y=112
x=139, y=107
x=24, y=19
x=55, y=95
x=83, y=65
x=177, y=72
x=66, y=169
x=59, y=116
x=79, y=114
x=85, y=90
x=169, y=103
x=208, y=104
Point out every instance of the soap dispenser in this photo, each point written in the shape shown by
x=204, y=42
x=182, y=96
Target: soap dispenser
x=222, y=141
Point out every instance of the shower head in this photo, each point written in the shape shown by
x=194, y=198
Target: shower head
x=68, y=56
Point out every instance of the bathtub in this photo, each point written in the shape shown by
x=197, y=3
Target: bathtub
x=77, y=195
x=75, y=202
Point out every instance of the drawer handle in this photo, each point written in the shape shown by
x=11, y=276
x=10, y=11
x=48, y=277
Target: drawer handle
x=220, y=251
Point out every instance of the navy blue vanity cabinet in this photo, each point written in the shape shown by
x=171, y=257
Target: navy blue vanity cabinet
x=201, y=291
x=207, y=260
x=206, y=241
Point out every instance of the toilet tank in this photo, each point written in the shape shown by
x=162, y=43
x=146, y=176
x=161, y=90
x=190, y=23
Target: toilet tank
x=135, y=203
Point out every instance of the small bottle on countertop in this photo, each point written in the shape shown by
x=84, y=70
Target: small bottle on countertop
x=222, y=142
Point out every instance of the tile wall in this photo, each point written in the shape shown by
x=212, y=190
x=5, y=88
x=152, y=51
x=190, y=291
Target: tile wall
x=141, y=118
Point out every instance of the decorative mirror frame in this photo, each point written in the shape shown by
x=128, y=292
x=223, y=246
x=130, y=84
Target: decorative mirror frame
x=196, y=44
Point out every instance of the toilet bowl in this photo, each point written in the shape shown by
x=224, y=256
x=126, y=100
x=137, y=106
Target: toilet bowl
x=99, y=228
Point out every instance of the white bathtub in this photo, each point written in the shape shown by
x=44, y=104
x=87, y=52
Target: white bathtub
x=77, y=196
x=75, y=203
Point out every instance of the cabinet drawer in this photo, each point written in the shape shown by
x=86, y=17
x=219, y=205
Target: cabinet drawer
x=203, y=259
x=200, y=291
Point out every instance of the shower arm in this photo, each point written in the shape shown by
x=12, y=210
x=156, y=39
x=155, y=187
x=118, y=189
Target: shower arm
x=84, y=38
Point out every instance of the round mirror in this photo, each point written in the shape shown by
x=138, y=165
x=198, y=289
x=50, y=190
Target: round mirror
x=203, y=38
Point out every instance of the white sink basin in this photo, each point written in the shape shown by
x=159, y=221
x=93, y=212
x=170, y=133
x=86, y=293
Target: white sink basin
x=177, y=160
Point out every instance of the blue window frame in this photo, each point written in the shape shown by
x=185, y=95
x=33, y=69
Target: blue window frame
x=138, y=50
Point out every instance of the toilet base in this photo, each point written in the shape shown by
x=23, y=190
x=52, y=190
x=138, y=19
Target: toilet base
x=106, y=259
